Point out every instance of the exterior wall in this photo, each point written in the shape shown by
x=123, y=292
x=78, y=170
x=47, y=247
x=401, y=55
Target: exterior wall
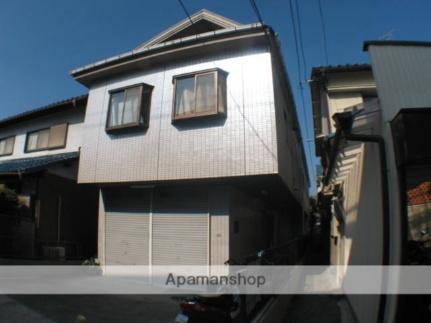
x=218, y=203
x=359, y=235
x=357, y=81
x=338, y=102
x=75, y=118
x=291, y=164
x=254, y=226
x=242, y=144
x=403, y=75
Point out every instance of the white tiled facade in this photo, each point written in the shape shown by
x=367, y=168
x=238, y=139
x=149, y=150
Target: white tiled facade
x=243, y=143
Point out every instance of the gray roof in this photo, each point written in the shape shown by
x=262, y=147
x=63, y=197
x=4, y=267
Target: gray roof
x=318, y=71
x=47, y=109
x=28, y=165
x=157, y=48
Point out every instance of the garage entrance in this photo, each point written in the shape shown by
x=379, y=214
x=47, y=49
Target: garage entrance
x=156, y=226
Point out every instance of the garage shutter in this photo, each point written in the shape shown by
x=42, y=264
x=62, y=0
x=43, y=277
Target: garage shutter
x=127, y=226
x=127, y=239
x=180, y=239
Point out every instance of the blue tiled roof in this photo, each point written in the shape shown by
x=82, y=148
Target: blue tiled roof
x=25, y=165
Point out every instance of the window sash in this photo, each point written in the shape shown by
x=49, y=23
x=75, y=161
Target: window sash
x=7, y=145
x=201, y=105
x=129, y=108
x=38, y=140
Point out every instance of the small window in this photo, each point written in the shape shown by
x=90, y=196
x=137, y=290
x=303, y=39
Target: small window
x=6, y=146
x=199, y=94
x=48, y=138
x=129, y=107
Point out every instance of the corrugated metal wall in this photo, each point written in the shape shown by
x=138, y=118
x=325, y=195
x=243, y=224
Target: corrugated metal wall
x=403, y=77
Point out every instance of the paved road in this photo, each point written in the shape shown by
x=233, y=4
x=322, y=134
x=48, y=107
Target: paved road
x=96, y=308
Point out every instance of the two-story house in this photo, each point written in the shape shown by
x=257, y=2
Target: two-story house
x=43, y=211
x=194, y=143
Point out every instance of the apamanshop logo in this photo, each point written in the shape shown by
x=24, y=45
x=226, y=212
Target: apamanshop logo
x=235, y=280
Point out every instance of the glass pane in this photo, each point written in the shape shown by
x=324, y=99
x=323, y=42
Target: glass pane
x=9, y=145
x=2, y=147
x=131, y=105
x=116, y=106
x=222, y=94
x=42, y=139
x=205, y=93
x=185, y=96
x=32, y=141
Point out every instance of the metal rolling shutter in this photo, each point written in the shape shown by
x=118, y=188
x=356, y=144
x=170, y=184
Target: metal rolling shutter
x=127, y=239
x=180, y=239
x=127, y=227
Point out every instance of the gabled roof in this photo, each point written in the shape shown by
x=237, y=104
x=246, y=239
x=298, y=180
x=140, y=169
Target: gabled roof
x=203, y=21
x=47, y=109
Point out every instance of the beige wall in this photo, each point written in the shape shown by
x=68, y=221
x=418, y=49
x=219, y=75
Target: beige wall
x=358, y=174
x=338, y=102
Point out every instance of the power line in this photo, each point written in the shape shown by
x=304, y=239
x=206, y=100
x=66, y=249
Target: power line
x=256, y=11
x=188, y=15
x=322, y=22
x=298, y=60
x=301, y=43
x=298, y=48
x=297, y=34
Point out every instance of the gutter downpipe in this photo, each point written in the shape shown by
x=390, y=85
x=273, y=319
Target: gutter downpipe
x=343, y=125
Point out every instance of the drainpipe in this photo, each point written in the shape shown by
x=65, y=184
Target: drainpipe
x=343, y=124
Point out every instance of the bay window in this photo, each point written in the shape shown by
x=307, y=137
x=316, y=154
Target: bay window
x=129, y=107
x=199, y=94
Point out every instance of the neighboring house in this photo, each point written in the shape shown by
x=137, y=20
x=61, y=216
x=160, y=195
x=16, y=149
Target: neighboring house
x=371, y=123
x=194, y=142
x=39, y=153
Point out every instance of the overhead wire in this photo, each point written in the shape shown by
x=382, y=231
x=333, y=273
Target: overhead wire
x=188, y=15
x=323, y=25
x=301, y=61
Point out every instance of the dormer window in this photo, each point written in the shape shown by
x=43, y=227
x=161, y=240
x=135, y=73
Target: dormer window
x=6, y=146
x=199, y=94
x=129, y=107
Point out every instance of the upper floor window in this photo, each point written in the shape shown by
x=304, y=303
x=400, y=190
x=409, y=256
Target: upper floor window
x=48, y=138
x=6, y=146
x=199, y=94
x=129, y=107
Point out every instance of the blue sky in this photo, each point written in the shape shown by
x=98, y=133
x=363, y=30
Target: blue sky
x=42, y=40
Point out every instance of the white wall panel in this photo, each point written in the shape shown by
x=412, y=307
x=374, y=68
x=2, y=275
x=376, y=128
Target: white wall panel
x=212, y=148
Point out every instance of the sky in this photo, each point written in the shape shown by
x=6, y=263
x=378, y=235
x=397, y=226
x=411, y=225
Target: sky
x=42, y=40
